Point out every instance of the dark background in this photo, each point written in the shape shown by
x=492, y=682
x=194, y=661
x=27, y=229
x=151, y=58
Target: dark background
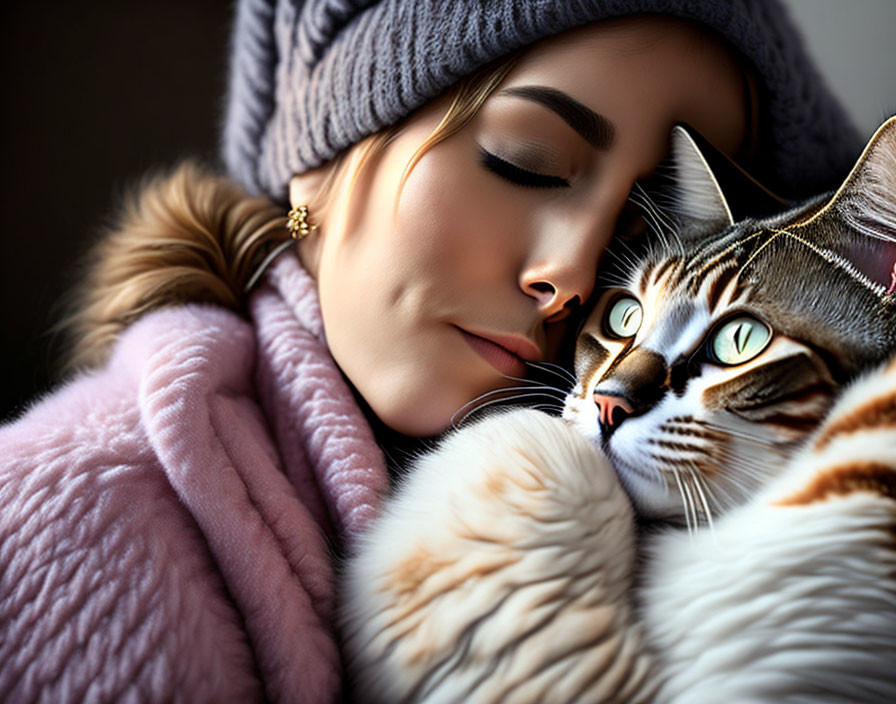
x=95, y=94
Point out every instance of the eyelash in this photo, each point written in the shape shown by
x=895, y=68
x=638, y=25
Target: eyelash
x=520, y=177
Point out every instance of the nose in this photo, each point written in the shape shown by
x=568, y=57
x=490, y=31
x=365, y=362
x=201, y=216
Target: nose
x=556, y=303
x=562, y=282
x=559, y=273
x=612, y=410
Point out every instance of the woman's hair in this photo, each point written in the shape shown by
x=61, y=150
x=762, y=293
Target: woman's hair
x=194, y=236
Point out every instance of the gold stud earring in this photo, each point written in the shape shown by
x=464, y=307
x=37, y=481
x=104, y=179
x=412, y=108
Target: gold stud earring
x=297, y=222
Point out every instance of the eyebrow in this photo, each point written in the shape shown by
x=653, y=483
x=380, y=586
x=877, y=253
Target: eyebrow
x=594, y=128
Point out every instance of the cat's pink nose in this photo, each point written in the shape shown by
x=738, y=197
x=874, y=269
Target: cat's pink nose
x=612, y=410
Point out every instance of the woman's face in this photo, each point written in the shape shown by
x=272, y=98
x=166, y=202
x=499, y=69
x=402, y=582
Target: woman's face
x=498, y=230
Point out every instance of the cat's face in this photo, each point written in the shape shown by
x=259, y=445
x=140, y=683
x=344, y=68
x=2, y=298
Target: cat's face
x=716, y=354
x=687, y=379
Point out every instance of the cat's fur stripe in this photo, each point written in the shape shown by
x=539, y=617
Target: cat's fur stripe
x=874, y=477
x=855, y=450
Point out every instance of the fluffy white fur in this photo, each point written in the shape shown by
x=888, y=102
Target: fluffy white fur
x=501, y=573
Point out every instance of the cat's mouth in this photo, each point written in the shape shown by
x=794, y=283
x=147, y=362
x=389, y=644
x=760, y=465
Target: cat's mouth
x=625, y=468
x=650, y=489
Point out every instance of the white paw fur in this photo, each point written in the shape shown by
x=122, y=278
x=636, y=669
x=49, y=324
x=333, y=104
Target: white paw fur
x=500, y=573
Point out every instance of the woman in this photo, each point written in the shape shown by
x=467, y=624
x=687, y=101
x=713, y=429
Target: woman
x=168, y=515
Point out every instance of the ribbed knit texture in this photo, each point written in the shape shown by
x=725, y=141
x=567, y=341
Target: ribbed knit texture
x=310, y=78
x=330, y=453
x=164, y=520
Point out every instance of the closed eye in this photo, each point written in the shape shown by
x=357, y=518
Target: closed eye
x=518, y=176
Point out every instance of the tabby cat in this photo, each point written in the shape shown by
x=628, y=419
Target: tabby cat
x=741, y=380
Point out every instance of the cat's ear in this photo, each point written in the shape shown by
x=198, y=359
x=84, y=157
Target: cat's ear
x=695, y=196
x=704, y=189
x=859, y=220
x=744, y=196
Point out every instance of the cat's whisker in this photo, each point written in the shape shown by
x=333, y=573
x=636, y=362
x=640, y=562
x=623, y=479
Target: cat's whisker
x=559, y=368
x=549, y=391
x=662, y=226
x=482, y=404
x=738, y=474
x=639, y=198
x=511, y=389
x=741, y=434
x=698, y=481
x=731, y=496
x=687, y=514
x=625, y=266
x=527, y=380
x=743, y=476
x=691, y=504
x=652, y=222
x=533, y=394
x=642, y=192
x=504, y=394
x=625, y=246
x=614, y=279
x=656, y=228
x=658, y=223
x=531, y=385
x=624, y=250
x=748, y=466
x=534, y=383
x=710, y=494
x=555, y=370
x=721, y=497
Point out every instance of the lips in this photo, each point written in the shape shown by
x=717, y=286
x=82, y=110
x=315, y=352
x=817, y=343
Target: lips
x=519, y=346
x=505, y=353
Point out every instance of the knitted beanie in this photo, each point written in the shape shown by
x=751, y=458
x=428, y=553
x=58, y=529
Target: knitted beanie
x=310, y=78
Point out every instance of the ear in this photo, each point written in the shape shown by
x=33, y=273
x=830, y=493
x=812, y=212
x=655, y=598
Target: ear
x=696, y=197
x=705, y=190
x=303, y=187
x=744, y=195
x=859, y=221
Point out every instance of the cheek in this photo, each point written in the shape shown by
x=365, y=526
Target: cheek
x=453, y=212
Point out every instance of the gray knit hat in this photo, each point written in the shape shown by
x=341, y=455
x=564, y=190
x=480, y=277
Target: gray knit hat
x=310, y=78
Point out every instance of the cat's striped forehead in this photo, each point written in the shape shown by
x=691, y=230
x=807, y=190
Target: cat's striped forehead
x=714, y=282
x=781, y=270
x=680, y=297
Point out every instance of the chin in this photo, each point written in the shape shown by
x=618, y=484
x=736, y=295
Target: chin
x=412, y=425
x=417, y=417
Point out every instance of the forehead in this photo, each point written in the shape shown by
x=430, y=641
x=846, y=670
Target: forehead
x=645, y=72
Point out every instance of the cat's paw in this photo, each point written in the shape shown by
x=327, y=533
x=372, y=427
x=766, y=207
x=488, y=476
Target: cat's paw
x=520, y=481
x=499, y=572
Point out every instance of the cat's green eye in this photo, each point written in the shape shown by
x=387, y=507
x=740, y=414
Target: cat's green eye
x=739, y=340
x=624, y=317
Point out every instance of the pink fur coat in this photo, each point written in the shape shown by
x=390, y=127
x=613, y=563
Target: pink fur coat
x=165, y=520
